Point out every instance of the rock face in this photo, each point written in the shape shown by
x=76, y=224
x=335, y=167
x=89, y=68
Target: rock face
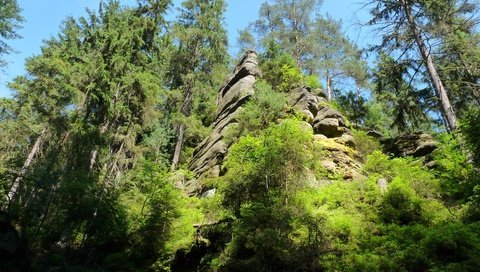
x=328, y=125
x=306, y=102
x=324, y=120
x=415, y=144
x=208, y=156
x=330, y=130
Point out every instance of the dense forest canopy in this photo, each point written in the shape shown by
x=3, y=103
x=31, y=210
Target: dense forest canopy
x=135, y=142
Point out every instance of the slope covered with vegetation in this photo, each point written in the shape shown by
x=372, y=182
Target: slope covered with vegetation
x=135, y=143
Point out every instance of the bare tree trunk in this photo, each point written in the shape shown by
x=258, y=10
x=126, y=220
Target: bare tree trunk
x=178, y=146
x=185, y=110
x=329, y=86
x=10, y=197
x=432, y=71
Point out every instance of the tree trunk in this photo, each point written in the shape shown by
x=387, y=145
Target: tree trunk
x=329, y=86
x=18, y=180
x=178, y=146
x=432, y=71
x=185, y=110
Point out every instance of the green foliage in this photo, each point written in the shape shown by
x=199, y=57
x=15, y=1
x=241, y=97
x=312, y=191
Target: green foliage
x=365, y=145
x=89, y=100
x=159, y=202
x=260, y=239
x=470, y=128
x=10, y=20
x=264, y=108
x=88, y=138
x=401, y=205
x=353, y=106
x=274, y=160
x=280, y=69
x=312, y=82
x=458, y=51
x=432, y=50
x=264, y=174
x=453, y=168
x=377, y=118
x=393, y=87
x=195, y=69
x=336, y=58
x=316, y=43
x=418, y=248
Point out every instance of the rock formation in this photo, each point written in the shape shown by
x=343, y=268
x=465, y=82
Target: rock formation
x=413, y=144
x=329, y=126
x=324, y=120
x=208, y=156
x=330, y=130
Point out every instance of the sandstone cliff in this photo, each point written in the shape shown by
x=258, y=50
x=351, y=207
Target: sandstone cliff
x=208, y=156
x=331, y=129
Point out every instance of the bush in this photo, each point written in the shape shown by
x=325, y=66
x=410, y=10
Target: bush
x=401, y=205
x=453, y=169
x=266, y=107
x=470, y=129
x=365, y=144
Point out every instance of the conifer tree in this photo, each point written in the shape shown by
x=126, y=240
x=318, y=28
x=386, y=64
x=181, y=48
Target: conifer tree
x=201, y=47
x=93, y=93
x=10, y=20
x=411, y=26
x=317, y=43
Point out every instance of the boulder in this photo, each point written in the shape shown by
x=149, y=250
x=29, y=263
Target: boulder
x=330, y=123
x=303, y=100
x=329, y=165
x=319, y=137
x=346, y=139
x=412, y=144
x=328, y=127
x=324, y=120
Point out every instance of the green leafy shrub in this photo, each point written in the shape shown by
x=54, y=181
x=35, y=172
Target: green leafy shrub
x=282, y=71
x=266, y=107
x=407, y=170
x=401, y=205
x=453, y=169
x=312, y=82
x=470, y=129
x=271, y=161
x=365, y=145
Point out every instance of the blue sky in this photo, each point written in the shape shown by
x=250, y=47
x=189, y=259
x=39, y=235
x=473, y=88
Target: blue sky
x=44, y=17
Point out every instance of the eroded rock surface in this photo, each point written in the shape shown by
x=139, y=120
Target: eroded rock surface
x=414, y=144
x=208, y=156
x=330, y=130
x=324, y=120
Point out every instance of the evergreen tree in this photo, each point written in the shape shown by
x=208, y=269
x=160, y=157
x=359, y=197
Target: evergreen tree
x=394, y=87
x=10, y=20
x=409, y=25
x=201, y=48
x=459, y=49
x=93, y=93
x=338, y=57
x=315, y=42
